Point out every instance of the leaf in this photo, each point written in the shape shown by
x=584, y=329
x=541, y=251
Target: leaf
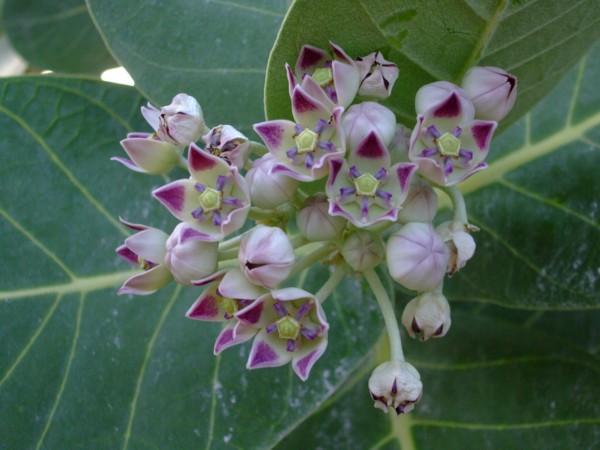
x=188, y=46
x=536, y=41
x=84, y=367
x=58, y=36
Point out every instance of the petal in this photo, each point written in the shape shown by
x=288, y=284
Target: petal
x=306, y=357
x=152, y=116
x=129, y=164
x=307, y=110
x=481, y=132
x=155, y=157
x=207, y=307
x=235, y=285
x=277, y=135
x=291, y=78
x=179, y=197
x=291, y=294
x=147, y=282
x=309, y=59
x=312, y=88
x=268, y=351
x=127, y=254
x=347, y=81
x=234, y=333
x=370, y=155
x=259, y=313
x=205, y=167
x=150, y=244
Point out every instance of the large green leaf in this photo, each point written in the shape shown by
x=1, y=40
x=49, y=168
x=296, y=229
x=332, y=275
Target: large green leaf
x=58, y=36
x=430, y=41
x=214, y=50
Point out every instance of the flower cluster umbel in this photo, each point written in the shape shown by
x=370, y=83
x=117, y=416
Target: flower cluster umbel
x=373, y=200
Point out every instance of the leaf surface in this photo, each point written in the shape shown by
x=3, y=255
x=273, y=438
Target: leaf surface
x=58, y=36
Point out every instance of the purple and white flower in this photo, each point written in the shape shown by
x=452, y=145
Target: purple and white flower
x=146, y=249
x=396, y=385
x=365, y=189
x=215, y=199
x=149, y=154
x=229, y=144
x=377, y=76
x=179, y=123
x=361, y=119
x=293, y=329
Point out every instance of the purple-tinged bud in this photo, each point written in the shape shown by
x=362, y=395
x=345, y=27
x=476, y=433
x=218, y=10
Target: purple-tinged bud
x=229, y=144
x=396, y=385
x=493, y=91
x=377, y=76
x=189, y=255
x=314, y=221
x=363, y=250
x=400, y=144
x=444, y=100
x=460, y=243
x=417, y=257
x=266, y=256
x=427, y=316
x=179, y=123
x=364, y=118
x=269, y=189
x=421, y=203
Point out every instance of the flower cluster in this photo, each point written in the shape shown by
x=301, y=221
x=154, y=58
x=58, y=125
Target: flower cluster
x=360, y=189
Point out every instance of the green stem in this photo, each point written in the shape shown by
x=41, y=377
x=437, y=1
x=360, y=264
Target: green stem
x=257, y=148
x=310, y=259
x=458, y=202
x=333, y=281
x=234, y=242
x=299, y=241
x=389, y=316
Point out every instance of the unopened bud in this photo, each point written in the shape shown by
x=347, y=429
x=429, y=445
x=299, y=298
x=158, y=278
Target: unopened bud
x=421, y=203
x=493, y=91
x=427, y=316
x=460, y=244
x=364, y=118
x=377, y=76
x=397, y=385
x=229, y=144
x=444, y=99
x=314, y=221
x=269, y=190
x=363, y=250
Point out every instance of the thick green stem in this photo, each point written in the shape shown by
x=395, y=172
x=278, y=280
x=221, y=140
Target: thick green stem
x=389, y=316
x=310, y=259
x=335, y=278
x=458, y=202
x=257, y=148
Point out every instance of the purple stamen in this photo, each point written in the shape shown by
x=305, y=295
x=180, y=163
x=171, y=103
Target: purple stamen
x=433, y=131
x=291, y=345
x=227, y=315
x=309, y=333
x=331, y=93
x=353, y=172
x=200, y=187
x=465, y=154
x=394, y=387
x=244, y=303
x=345, y=191
x=320, y=126
x=221, y=180
x=217, y=219
x=364, y=208
x=198, y=213
x=309, y=162
x=233, y=201
x=291, y=153
x=448, y=169
x=298, y=128
x=328, y=146
x=328, y=64
x=384, y=195
x=271, y=328
x=456, y=132
x=381, y=173
x=280, y=308
x=429, y=152
x=306, y=307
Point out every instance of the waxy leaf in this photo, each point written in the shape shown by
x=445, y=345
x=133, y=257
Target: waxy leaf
x=215, y=51
x=58, y=36
x=430, y=41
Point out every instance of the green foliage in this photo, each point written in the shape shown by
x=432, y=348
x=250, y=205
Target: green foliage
x=58, y=36
x=84, y=368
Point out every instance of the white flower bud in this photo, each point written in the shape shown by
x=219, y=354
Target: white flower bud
x=189, y=256
x=427, y=316
x=421, y=203
x=397, y=385
x=377, y=76
x=493, y=91
x=314, y=221
x=362, y=119
x=437, y=94
x=460, y=244
x=269, y=190
x=363, y=250
x=179, y=123
x=417, y=257
x=266, y=256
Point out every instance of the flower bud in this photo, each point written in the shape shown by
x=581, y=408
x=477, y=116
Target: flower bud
x=427, y=316
x=460, y=244
x=420, y=204
x=179, y=123
x=417, y=257
x=149, y=155
x=377, y=76
x=229, y=144
x=443, y=99
x=269, y=190
x=397, y=385
x=400, y=144
x=493, y=91
x=266, y=256
x=363, y=250
x=189, y=255
x=362, y=119
x=314, y=221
